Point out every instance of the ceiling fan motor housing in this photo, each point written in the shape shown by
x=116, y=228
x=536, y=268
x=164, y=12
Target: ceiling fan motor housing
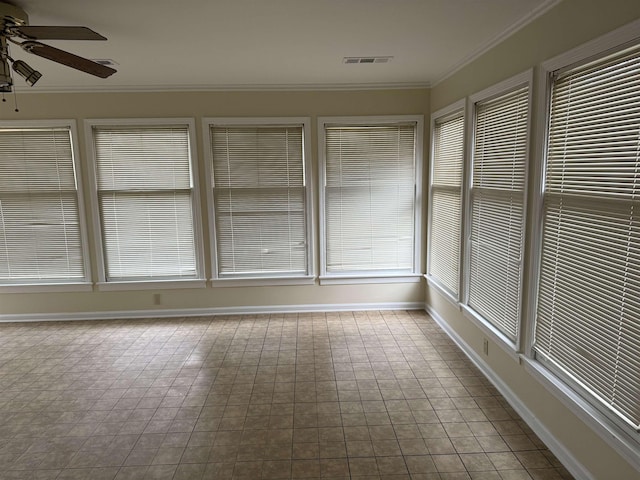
x=12, y=15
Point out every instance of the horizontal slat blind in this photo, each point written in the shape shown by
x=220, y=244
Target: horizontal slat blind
x=370, y=198
x=446, y=202
x=497, y=213
x=588, y=313
x=259, y=200
x=40, y=238
x=145, y=198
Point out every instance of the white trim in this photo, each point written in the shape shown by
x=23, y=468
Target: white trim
x=49, y=286
x=607, y=430
x=536, y=177
x=453, y=110
x=122, y=285
x=577, y=469
x=82, y=213
x=465, y=227
x=354, y=279
x=197, y=312
x=294, y=87
x=93, y=201
x=449, y=111
x=418, y=200
x=502, y=88
x=211, y=219
x=371, y=120
x=195, y=192
x=325, y=277
x=207, y=122
x=262, y=281
x=322, y=183
x=496, y=40
x=45, y=287
x=499, y=89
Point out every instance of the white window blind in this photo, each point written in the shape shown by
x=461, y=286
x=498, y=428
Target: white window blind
x=370, y=198
x=145, y=199
x=497, y=213
x=40, y=235
x=259, y=200
x=446, y=202
x=588, y=312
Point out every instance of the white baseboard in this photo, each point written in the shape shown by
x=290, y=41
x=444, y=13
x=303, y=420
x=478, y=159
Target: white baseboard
x=196, y=312
x=577, y=469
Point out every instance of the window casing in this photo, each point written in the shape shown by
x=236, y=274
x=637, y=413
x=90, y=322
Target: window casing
x=496, y=206
x=370, y=171
x=260, y=199
x=445, y=214
x=42, y=232
x=146, y=201
x=588, y=292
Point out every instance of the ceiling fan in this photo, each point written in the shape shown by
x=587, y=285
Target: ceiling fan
x=15, y=29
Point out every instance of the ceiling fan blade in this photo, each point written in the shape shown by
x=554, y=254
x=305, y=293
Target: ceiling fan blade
x=55, y=33
x=68, y=59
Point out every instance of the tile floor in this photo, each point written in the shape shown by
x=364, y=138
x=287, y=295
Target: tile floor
x=361, y=395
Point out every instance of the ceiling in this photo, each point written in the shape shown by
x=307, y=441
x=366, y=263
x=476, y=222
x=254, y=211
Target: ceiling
x=265, y=44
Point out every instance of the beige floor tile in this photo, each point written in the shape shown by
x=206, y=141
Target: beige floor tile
x=335, y=395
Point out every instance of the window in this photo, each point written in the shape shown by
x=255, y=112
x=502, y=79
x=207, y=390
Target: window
x=446, y=199
x=260, y=198
x=587, y=329
x=496, y=204
x=370, y=196
x=146, y=200
x=42, y=238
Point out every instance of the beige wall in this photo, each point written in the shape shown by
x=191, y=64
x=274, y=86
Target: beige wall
x=568, y=25
x=206, y=104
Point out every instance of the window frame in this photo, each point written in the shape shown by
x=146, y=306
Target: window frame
x=355, y=277
x=144, y=284
x=262, y=280
x=512, y=348
x=602, y=423
x=85, y=285
x=450, y=112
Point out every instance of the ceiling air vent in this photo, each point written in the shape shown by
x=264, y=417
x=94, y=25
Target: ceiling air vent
x=354, y=60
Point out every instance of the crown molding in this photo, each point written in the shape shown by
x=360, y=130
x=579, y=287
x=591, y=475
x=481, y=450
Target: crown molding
x=512, y=29
x=226, y=88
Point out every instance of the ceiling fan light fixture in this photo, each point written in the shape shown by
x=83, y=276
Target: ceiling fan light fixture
x=30, y=75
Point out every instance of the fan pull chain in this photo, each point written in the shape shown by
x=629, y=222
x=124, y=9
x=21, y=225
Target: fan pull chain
x=15, y=100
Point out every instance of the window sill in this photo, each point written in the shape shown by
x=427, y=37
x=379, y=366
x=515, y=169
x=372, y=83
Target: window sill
x=360, y=279
x=150, y=285
x=262, y=281
x=606, y=429
x=46, y=288
x=493, y=333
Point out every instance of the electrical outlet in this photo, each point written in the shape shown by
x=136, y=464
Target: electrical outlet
x=157, y=299
x=485, y=346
